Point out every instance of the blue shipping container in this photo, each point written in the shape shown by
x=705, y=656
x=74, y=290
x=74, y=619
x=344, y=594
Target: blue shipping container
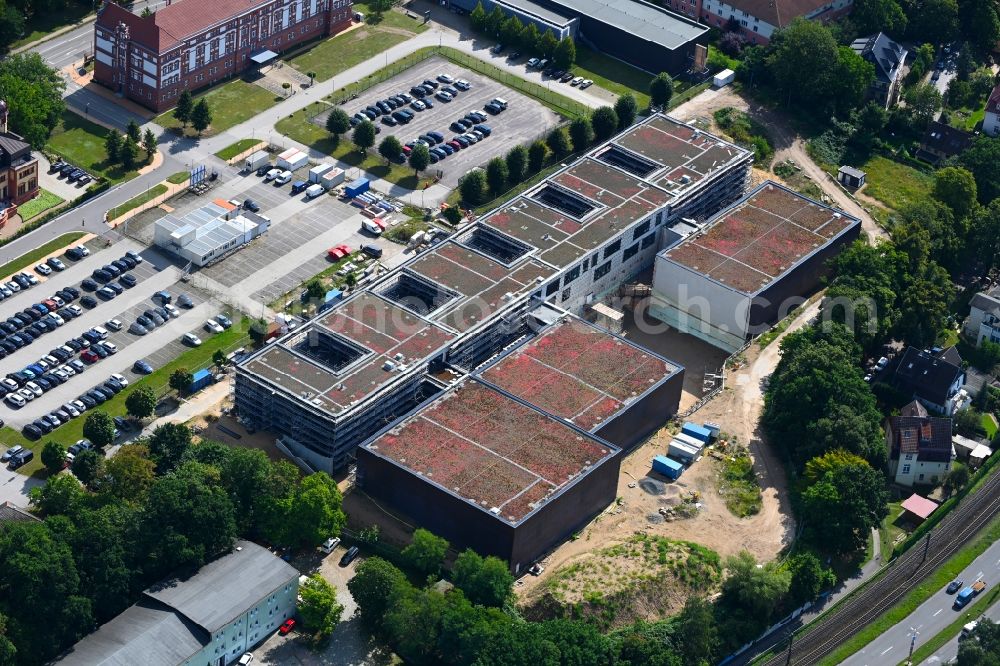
x=200, y=380
x=667, y=467
x=359, y=186
x=332, y=297
x=696, y=431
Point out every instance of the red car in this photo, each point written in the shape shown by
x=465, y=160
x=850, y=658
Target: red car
x=288, y=625
x=90, y=357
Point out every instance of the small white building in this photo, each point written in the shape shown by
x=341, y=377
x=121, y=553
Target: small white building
x=991, y=121
x=209, y=619
x=984, y=317
x=209, y=232
x=920, y=447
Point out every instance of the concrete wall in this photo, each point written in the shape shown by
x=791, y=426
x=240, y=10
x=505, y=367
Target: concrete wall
x=644, y=416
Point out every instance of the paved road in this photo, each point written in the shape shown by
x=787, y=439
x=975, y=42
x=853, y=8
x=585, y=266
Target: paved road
x=929, y=619
x=950, y=651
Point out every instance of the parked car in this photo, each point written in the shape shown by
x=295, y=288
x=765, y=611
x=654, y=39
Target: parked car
x=191, y=339
x=286, y=626
x=142, y=367
x=251, y=205
x=43, y=269
x=283, y=177
x=351, y=554
x=213, y=326
x=272, y=174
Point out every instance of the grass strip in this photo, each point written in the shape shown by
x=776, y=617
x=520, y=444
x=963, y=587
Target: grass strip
x=918, y=595
x=41, y=203
x=234, y=149
x=178, y=178
x=945, y=635
x=137, y=201
x=193, y=359
x=29, y=258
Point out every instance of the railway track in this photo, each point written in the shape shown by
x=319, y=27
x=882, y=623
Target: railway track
x=971, y=515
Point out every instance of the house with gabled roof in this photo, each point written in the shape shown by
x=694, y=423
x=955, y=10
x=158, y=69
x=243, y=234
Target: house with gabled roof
x=888, y=57
x=931, y=379
x=920, y=447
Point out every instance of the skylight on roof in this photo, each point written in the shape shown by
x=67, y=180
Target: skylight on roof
x=626, y=160
x=330, y=350
x=564, y=200
x=416, y=293
x=493, y=244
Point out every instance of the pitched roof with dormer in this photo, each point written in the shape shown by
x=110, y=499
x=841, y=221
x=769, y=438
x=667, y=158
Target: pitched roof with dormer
x=913, y=431
x=885, y=54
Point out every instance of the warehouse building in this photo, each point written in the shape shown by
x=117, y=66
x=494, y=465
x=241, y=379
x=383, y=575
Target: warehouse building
x=330, y=385
x=187, y=45
x=490, y=472
x=749, y=266
x=213, y=617
x=208, y=233
x=638, y=32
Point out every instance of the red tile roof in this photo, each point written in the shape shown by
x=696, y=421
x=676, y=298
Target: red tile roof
x=777, y=12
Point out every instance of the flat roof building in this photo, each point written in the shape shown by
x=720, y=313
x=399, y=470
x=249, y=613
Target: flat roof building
x=213, y=617
x=209, y=233
x=752, y=264
x=568, y=241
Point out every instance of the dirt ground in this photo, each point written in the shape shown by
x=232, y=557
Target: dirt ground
x=737, y=410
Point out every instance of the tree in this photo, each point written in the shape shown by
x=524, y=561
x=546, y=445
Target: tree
x=864, y=293
x=982, y=646
x=517, y=163
x=982, y=159
x=547, y=43
x=979, y=23
x=54, y=457
x=363, y=136
x=493, y=21
x=390, y=148
x=133, y=131
x=180, y=380
x=140, y=402
x=850, y=79
x=934, y=21
x=697, y=633
x=379, y=7
x=626, y=109
x=168, y=444
x=61, y=495
x=420, y=158
x=484, y=581
x=426, y=552
x=661, y=89
x=530, y=37
x=113, y=144
x=923, y=100
x=218, y=358
x=88, y=466
x=473, y=187
x=201, y=116
x=809, y=577
x=99, y=428
x=802, y=60
x=478, y=18
x=510, y=30
x=605, y=122
x=375, y=585
x=129, y=474
x=307, y=516
x=315, y=291
x=750, y=595
x=871, y=16
x=557, y=142
x=957, y=478
x=496, y=176
x=564, y=54
x=337, y=122
x=452, y=214
x=33, y=92
x=184, y=108
x=149, y=143
x=11, y=29
x=581, y=133
x=129, y=153
x=319, y=609
x=840, y=509
x=956, y=188
x=537, y=152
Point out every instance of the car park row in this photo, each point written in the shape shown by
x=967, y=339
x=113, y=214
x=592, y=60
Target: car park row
x=71, y=173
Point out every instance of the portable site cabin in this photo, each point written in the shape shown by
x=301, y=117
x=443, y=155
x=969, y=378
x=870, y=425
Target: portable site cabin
x=697, y=431
x=359, y=186
x=296, y=160
x=332, y=178
x=667, y=467
x=682, y=450
x=256, y=160
x=316, y=173
x=689, y=440
x=724, y=78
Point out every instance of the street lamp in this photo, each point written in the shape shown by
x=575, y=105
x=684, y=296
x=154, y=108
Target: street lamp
x=913, y=640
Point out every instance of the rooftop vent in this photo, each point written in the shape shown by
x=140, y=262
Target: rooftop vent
x=494, y=244
x=563, y=200
x=626, y=160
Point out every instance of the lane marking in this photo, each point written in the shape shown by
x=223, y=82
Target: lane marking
x=938, y=611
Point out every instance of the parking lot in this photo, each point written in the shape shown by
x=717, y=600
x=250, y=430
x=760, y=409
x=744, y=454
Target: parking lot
x=524, y=120
x=158, y=347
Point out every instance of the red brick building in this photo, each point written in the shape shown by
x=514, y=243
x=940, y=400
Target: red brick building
x=189, y=44
x=18, y=170
x=758, y=19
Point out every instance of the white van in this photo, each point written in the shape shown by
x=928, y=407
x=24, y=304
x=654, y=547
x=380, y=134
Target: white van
x=101, y=331
x=314, y=191
x=371, y=226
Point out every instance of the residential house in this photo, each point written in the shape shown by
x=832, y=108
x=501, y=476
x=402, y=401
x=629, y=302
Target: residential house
x=888, y=57
x=920, y=448
x=10, y=513
x=934, y=381
x=991, y=121
x=18, y=170
x=211, y=618
x=757, y=20
x=942, y=141
x=984, y=317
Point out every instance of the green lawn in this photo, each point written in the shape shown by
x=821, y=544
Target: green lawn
x=44, y=22
x=231, y=104
x=137, y=201
x=81, y=142
x=178, y=177
x=234, y=149
x=298, y=127
x=193, y=359
x=391, y=19
x=887, y=531
x=44, y=201
x=896, y=184
x=990, y=426
x=30, y=258
x=341, y=52
x=612, y=74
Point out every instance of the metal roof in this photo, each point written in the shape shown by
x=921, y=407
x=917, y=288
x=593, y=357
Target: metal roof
x=639, y=19
x=536, y=10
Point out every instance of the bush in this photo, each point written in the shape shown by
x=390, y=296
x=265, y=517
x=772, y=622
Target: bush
x=473, y=187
